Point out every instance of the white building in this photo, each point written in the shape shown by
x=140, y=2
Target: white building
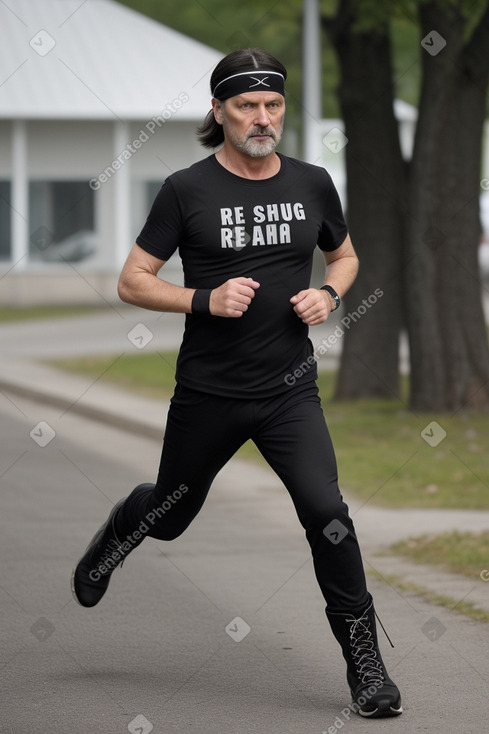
x=98, y=105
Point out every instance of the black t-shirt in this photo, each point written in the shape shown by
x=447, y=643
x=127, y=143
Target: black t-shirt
x=226, y=226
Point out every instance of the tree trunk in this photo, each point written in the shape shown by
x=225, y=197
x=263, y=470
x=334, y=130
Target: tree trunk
x=447, y=334
x=375, y=188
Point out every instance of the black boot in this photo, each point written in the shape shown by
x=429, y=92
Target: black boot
x=374, y=694
x=104, y=553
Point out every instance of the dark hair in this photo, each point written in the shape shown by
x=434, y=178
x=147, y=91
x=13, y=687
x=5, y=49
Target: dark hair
x=210, y=133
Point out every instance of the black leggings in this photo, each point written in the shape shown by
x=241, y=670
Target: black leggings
x=204, y=431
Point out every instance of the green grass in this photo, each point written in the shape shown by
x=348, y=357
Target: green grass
x=381, y=454
x=460, y=607
x=463, y=553
x=30, y=313
x=150, y=375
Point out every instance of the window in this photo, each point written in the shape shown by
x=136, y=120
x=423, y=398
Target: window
x=61, y=221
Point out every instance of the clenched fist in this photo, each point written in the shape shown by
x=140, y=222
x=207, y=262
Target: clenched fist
x=313, y=306
x=233, y=297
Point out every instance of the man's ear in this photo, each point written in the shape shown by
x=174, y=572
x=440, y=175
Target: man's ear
x=217, y=109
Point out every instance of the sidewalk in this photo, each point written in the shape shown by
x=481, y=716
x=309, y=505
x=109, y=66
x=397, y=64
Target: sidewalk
x=21, y=374
x=221, y=631
x=158, y=653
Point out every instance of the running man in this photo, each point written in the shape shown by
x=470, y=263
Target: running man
x=246, y=221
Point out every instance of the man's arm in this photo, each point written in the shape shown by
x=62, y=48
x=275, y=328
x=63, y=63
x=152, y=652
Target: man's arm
x=313, y=306
x=139, y=285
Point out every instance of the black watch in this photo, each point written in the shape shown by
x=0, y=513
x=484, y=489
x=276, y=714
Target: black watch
x=333, y=295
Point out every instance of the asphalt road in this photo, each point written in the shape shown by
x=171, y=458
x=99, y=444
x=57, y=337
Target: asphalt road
x=155, y=654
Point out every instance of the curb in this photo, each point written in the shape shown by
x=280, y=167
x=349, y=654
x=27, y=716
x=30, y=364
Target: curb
x=86, y=410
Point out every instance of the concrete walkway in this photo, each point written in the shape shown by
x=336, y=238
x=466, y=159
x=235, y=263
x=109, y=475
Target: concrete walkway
x=22, y=374
x=155, y=655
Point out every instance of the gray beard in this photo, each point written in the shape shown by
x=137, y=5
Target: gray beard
x=256, y=149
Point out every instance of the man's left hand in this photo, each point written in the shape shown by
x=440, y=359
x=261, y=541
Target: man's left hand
x=312, y=306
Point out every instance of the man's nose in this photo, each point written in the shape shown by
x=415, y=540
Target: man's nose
x=262, y=117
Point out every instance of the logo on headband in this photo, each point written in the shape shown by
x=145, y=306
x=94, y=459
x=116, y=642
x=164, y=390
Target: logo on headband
x=258, y=82
x=249, y=81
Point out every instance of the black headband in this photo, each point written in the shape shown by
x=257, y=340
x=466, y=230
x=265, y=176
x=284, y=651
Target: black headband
x=250, y=81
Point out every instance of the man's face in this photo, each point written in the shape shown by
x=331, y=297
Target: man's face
x=252, y=122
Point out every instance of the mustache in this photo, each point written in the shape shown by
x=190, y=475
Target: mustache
x=262, y=131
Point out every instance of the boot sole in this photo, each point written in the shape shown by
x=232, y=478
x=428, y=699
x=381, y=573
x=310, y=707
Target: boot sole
x=72, y=583
x=381, y=713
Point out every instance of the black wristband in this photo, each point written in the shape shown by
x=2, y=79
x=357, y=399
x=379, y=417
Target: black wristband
x=200, y=300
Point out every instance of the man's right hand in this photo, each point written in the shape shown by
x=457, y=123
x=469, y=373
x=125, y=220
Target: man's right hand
x=233, y=297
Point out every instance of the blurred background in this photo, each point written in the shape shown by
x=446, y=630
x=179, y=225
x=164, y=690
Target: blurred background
x=99, y=102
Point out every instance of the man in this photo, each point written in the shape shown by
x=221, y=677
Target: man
x=246, y=221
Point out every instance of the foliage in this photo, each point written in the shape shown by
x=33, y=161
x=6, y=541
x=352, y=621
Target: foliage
x=227, y=26
x=277, y=26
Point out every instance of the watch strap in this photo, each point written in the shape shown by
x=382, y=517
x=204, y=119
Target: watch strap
x=333, y=295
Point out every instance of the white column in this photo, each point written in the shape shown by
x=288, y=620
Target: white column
x=311, y=82
x=20, y=195
x=122, y=196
